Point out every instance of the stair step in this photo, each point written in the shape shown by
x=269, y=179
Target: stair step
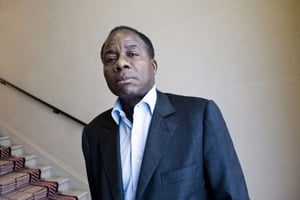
x=31, y=161
x=45, y=170
x=17, y=150
x=5, y=141
x=63, y=183
x=13, y=183
x=17, y=179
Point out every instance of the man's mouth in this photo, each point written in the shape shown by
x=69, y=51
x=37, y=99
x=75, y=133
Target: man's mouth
x=125, y=79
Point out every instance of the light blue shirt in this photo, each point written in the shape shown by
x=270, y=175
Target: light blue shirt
x=133, y=138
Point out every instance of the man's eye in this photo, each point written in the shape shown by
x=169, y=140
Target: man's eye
x=109, y=59
x=132, y=54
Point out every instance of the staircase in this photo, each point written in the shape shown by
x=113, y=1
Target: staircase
x=23, y=178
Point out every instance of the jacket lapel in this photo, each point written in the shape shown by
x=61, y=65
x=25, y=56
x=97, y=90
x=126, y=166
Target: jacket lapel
x=110, y=150
x=160, y=132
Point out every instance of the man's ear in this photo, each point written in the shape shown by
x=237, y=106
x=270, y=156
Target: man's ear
x=154, y=65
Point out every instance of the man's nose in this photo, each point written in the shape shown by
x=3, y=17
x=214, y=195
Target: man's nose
x=121, y=63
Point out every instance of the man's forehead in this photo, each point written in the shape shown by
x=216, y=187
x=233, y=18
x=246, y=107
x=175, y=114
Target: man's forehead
x=124, y=38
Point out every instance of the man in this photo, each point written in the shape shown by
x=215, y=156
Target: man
x=154, y=145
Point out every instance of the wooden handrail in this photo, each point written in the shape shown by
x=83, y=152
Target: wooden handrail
x=55, y=109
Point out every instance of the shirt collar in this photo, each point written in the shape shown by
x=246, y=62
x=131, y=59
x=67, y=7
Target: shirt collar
x=149, y=99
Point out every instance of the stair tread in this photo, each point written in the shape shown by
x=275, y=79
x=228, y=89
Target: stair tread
x=16, y=146
x=76, y=192
x=59, y=180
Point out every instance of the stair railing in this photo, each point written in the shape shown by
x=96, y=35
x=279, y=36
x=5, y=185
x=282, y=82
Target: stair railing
x=54, y=108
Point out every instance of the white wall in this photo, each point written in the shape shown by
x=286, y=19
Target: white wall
x=243, y=54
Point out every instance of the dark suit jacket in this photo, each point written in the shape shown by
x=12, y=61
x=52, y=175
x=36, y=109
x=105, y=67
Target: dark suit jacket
x=188, y=155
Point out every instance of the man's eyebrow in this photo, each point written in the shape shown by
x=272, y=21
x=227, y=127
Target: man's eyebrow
x=131, y=46
x=128, y=47
x=109, y=51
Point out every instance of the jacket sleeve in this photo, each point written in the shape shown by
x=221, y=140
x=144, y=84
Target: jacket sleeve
x=222, y=168
x=88, y=163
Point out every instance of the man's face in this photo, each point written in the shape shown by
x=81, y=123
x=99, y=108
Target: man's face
x=128, y=69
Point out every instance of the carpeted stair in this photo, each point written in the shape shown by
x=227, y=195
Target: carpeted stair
x=21, y=178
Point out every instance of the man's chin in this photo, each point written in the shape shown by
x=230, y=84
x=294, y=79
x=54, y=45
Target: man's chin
x=126, y=94
x=132, y=96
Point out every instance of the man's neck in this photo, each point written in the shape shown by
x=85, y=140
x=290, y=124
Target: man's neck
x=128, y=106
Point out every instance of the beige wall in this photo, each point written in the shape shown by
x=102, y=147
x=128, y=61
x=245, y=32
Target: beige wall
x=243, y=54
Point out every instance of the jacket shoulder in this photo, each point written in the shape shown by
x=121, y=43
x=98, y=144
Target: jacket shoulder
x=191, y=105
x=100, y=120
x=183, y=97
x=187, y=101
